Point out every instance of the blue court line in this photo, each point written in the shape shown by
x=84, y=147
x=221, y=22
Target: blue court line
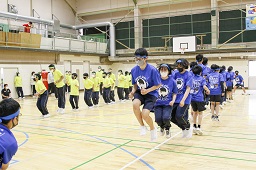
x=144, y=162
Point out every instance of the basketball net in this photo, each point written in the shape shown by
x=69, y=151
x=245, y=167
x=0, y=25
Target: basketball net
x=182, y=50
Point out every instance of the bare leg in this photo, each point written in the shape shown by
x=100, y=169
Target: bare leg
x=137, y=112
x=212, y=107
x=217, y=108
x=243, y=89
x=234, y=89
x=200, y=118
x=147, y=118
x=195, y=114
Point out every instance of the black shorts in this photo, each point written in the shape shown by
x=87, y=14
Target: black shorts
x=198, y=106
x=239, y=85
x=215, y=98
x=148, y=101
x=229, y=88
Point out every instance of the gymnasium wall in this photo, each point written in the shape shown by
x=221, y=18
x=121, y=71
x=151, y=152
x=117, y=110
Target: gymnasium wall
x=44, y=8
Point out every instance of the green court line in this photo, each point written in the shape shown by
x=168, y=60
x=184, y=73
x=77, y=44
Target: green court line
x=90, y=160
x=188, y=153
x=180, y=145
x=231, y=133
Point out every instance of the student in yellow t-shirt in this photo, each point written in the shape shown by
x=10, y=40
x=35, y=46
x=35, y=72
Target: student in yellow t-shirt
x=120, y=87
x=88, y=85
x=67, y=81
x=130, y=82
x=74, y=92
x=58, y=81
x=126, y=85
x=112, y=91
x=106, y=88
x=99, y=74
x=42, y=94
x=95, y=89
x=18, y=85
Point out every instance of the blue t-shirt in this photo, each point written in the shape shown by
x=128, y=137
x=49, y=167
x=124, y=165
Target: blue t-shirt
x=239, y=79
x=232, y=76
x=224, y=74
x=8, y=145
x=182, y=81
x=205, y=69
x=166, y=91
x=146, y=78
x=228, y=79
x=214, y=84
x=196, y=90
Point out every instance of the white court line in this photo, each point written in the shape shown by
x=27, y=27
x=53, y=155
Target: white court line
x=154, y=148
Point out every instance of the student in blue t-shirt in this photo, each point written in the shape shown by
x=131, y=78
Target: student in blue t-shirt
x=167, y=96
x=199, y=59
x=239, y=82
x=183, y=99
x=208, y=70
x=224, y=74
x=197, y=100
x=216, y=86
x=9, y=118
x=229, y=83
x=146, y=80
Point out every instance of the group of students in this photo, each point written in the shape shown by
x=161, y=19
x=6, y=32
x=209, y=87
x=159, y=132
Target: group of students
x=169, y=91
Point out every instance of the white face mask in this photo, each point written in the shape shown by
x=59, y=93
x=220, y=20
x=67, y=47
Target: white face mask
x=93, y=75
x=140, y=62
x=164, y=74
x=99, y=69
x=51, y=71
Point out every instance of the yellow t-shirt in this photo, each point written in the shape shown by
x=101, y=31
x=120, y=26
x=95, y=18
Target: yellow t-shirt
x=126, y=81
x=106, y=82
x=96, y=84
x=68, y=78
x=112, y=76
x=57, y=74
x=18, y=81
x=40, y=86
x=121, y=81
x=99, y=74
x=130, y=81
x=112, y=83
x=74, y=87
x=88, y=84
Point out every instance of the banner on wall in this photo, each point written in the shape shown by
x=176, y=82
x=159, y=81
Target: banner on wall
x=250, y=20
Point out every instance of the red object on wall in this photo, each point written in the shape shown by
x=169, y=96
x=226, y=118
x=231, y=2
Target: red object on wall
x=26, y=28
x=44, y=75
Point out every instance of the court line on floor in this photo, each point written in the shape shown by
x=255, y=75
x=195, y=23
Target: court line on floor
x=144, y=162
x=154, y=148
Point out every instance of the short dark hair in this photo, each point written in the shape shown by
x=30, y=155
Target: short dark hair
x=93, y=72
x=197, y=70
x=85, y=75
x=104, y=73
x=215, y=67
x=230, y=68
x=5, y=85
x=167, y=66
x=74, y=74
x=8, y=107
x=205, y=61
x=193, y=64
x=183, y=62
x=17, y=73
x=38, y=76
x=141, y=52
x=199, y=57
x=52, y=65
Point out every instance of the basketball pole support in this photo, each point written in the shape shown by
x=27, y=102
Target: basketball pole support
x=232, y=38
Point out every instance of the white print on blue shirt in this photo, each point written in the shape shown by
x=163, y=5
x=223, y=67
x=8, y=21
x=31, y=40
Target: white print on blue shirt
x=180, y=85
x=141, y=82
x=213, y=82
x=195, y=86
x=163, y=92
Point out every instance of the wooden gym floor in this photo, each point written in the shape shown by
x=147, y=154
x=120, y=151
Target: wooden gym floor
x=108, y=138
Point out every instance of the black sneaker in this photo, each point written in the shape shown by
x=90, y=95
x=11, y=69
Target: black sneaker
x=213, y=117
x=168, y=134
x=217, y=118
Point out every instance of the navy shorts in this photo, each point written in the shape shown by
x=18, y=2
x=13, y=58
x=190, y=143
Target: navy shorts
x=239, y=85
x=198, y=106
x=229, y=88
x=148, y=101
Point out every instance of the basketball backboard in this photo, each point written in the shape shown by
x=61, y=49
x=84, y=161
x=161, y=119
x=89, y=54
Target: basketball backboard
x=184, y=44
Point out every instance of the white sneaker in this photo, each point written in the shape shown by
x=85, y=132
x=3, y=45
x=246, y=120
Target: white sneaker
x=113, y=102
x=224, y=103
x=143, y=130
x=90, y=107
x=46, y=116
x=62, y=111
x=23, y=97
x=199, y=131
x=153, y=135
x=194, y=130
x=74, y=110
x=58, y=110
x=221, y=106
x=187, y=133
x=168, y=134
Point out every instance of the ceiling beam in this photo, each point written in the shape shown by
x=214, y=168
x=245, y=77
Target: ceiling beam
x=73, y=10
